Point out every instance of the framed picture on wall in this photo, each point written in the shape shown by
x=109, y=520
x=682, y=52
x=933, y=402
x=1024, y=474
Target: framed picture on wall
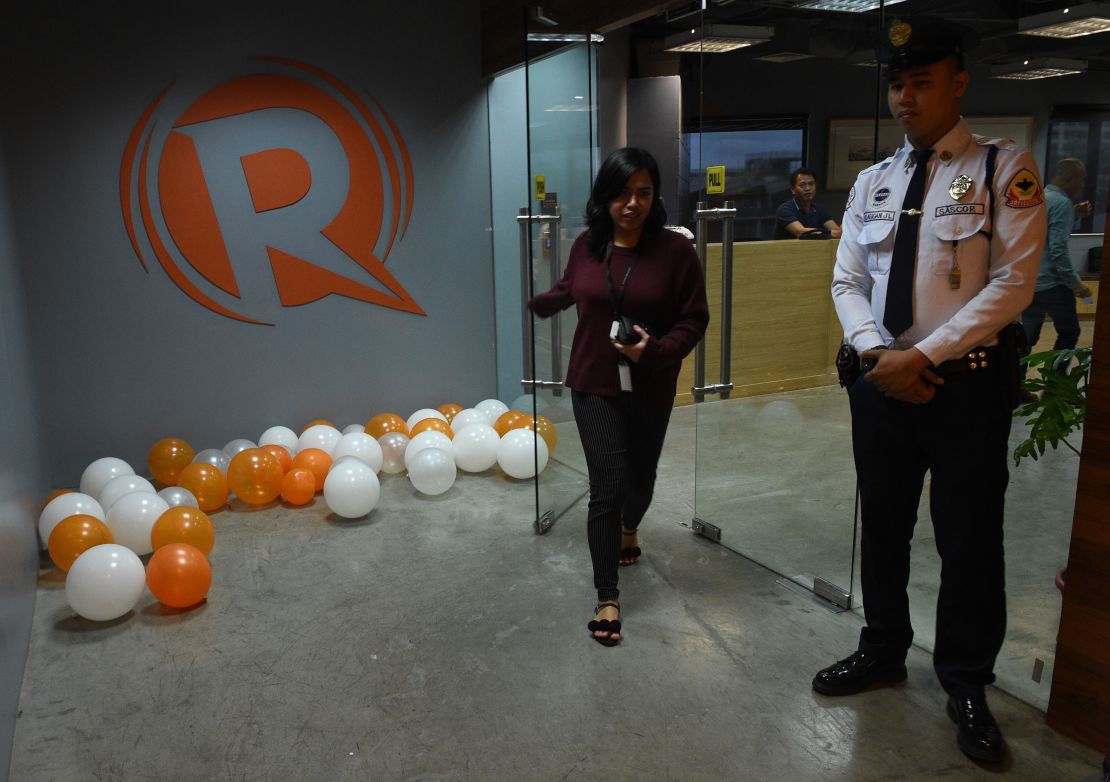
x=851, y=141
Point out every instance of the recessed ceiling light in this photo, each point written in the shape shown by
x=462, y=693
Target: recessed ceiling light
x=1088, y=19
x=717, y=38
x=1044, y=68
x=847, y=6
x=781, y=57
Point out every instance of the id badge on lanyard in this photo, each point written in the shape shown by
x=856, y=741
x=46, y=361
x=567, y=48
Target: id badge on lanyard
x=625, y=372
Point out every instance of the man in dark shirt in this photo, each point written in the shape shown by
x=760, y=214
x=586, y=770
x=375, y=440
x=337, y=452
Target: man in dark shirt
x=800, y=215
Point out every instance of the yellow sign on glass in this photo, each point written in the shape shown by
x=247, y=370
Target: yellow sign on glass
x=541, y=186
x=715, y=179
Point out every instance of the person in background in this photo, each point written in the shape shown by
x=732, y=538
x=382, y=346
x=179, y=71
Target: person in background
x=1058, y=284
x=940, y=252
x=800, y=215
x=640, y=297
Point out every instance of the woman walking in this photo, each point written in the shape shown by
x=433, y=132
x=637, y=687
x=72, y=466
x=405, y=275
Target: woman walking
x=640, y=296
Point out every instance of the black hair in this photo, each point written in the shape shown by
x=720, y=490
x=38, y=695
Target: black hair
x=611, y=178
x=800, y=172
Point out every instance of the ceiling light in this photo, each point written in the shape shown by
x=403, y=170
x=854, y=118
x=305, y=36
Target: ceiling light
x=784, y=57
x=686, y=9
x=1043, y=68
x=717, y=38
x=565, y=38
x=1079, y=20
x=847, y=6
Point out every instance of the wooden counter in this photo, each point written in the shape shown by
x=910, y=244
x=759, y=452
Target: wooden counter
x=785, y=332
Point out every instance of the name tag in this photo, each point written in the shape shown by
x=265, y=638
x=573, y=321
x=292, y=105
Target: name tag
x=869, y=217
x=960, y=209
x=626, y=376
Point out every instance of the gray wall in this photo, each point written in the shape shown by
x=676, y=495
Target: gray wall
x=123, y=356
x=735, y=85
x=655, y=124
x=20, y=482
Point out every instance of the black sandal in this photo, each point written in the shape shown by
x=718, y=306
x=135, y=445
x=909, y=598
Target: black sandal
x=611, y=626
x=630, y=552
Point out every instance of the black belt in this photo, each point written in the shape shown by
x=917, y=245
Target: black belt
x=975, y=360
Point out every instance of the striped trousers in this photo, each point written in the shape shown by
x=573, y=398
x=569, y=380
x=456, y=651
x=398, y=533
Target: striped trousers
x=622, y=438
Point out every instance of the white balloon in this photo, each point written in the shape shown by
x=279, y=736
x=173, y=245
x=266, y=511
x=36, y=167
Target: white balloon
x=279, y=435
x=350, y=428
x=521, y=454
x=492, y=409
x=176, y=496
x=476, y=447
x=432, y=471
x=217, y=457
x=362, y=446
x=319, y=436
x=428, y=439
x=237, y=445
x=421, y=414
x=100, y=472
x=466, y=417
x=132, y=518
x=105, y=582
x=351, y=489
x=393, y=451
x=121, y=485
x=63, y=506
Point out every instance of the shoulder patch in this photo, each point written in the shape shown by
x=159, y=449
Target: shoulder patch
x=851, y=197
x=1024, y=190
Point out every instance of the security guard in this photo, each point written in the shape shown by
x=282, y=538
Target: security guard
x=940, y=252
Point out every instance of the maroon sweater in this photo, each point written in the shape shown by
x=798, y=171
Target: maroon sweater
x=666, y=291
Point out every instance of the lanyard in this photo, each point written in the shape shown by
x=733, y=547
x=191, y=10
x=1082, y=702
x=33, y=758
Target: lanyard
x=613, y=294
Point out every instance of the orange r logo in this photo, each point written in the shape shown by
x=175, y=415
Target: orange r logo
x=229, y=188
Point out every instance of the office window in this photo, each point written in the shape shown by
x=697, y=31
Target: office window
x=1084, y=132
x=758, y=156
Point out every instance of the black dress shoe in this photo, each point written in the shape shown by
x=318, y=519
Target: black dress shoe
x=856, y=673
x=978, y=734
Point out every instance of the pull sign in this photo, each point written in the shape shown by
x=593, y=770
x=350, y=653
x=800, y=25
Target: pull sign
x=541, y=186
x=715, y=179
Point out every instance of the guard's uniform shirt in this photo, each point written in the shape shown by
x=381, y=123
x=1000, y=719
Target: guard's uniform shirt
x=997, y=248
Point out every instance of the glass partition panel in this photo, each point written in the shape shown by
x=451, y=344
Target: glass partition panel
x=561, y=132
x=775, y=479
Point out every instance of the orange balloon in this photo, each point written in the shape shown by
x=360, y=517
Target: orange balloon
x=509, y=420
x=431, y=425
x=317, y=422
x=207, y=483
x=183, y=524
x=167, y=458
x=255, y=476
x=179, y=575
x=298, y=486
x=449, y=410
x=73, y=536
x=56, y=493
x=280, y=453
x=545, y=429
x=384, y=423
x=317, y=462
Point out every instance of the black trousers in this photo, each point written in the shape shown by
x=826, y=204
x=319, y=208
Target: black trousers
x=960, y=437
x=622, y=438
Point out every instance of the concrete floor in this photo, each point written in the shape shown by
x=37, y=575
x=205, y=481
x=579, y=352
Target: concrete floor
x=439, y=639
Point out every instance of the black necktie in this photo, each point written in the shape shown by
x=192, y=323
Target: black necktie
x=898, y=315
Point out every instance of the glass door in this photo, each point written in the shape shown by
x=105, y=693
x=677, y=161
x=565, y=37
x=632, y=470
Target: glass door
x=774, y=476
x=560, y=92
